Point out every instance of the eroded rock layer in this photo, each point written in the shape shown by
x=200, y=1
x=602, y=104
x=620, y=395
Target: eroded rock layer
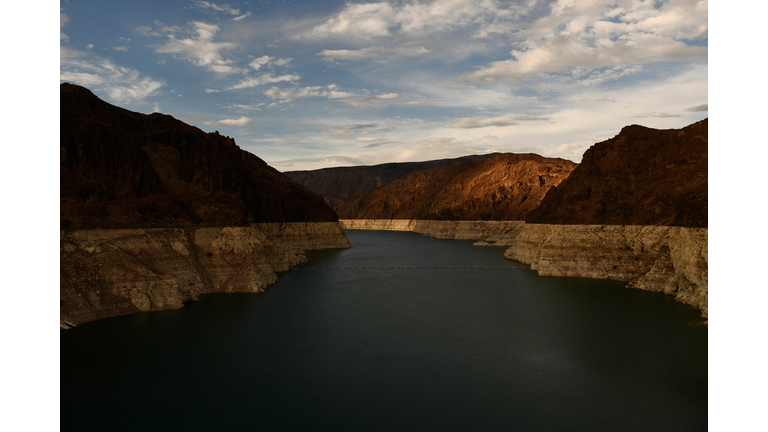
x=672, y=260
x=107, y=273
x=503, y=187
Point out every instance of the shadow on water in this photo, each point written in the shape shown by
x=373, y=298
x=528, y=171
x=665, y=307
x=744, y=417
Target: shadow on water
x=362, y=347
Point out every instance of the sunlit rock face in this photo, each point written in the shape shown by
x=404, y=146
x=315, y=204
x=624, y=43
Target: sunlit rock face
x=503, y=187
x=642, y=176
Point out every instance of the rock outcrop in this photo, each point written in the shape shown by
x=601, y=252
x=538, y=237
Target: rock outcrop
x=155, y=212
x=122, y=169
x=489, y=233
x=672, y=260
x=642, y=176
x=107, y=273
x=336, y=185
x=503, y=187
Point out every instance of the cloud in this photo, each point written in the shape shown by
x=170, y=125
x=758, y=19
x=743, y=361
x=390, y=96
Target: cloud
x=378, y=53
x=326, y=160
x=218, y=8
x=242, y=107
x=603, y=33
x=262, y=79
x=228, y=123
x=211, y=91
x=120, y=48
x=417, y=18
x=357, y=126
x=200, y=50
x=119, y=83
x=374, y=100
x=63, y=20
x=661, y=115
x=241, y=17
x=699, y=108
x=267, y=60
x=287, y=95
x=502, y=121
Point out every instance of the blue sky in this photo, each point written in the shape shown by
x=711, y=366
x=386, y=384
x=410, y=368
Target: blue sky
x=307, y=85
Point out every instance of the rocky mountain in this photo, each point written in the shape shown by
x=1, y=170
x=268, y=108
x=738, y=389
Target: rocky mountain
x=502, y=187
x=642, y=176
x=122, y=169
x=336, y=185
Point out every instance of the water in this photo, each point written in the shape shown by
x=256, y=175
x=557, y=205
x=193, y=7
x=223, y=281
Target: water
x=380, y=349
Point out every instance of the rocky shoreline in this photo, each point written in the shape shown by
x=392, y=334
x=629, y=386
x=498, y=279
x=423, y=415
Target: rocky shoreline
x=115, y=272
x=671, y=260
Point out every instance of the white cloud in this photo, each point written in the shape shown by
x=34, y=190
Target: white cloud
x=417, y=18
x=502, y=121
x=89, y=46
x=259, y=62
x=241, y=17
x=243, y=107
x=262, y=79
x=374, y=100
x=218, y=8
x=200, y=50
x=211, y=91
x=378, y=53
x=226, y=123
x=604, y=33
x=63, y=20
x=120, y=48
x=120, y=84
x=287, y=95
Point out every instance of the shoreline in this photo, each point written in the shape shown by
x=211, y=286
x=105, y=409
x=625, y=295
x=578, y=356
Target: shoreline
x=670, y=260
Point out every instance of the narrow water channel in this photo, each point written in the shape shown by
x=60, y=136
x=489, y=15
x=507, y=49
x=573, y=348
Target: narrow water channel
x=401, y=332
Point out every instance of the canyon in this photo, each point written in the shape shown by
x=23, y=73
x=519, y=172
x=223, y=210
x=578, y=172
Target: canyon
x=633, y=210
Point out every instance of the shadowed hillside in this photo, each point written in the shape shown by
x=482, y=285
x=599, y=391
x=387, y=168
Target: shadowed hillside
x=122, y=169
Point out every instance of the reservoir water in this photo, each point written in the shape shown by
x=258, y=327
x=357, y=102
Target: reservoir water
x=360, y=340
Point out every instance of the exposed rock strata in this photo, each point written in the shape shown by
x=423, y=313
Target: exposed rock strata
x=116, y=272
x=671, y=260
x=503, y=187
x=501, y=233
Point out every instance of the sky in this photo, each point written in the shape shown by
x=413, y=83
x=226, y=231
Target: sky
x=314, y=84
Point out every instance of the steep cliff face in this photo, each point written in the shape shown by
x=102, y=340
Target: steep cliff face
x=121, y=169
x=672, y=260
x=336, y=185
x=107, y=273
x=503, y=187
x=496, y=233
x=642, y=176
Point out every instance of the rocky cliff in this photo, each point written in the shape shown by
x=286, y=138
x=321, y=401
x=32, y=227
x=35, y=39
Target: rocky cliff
x=116, y=272
x=336, y=185
x=503, y=187
x=642, y=176
x=155, y=212
x=122, y=169
x=672, y=260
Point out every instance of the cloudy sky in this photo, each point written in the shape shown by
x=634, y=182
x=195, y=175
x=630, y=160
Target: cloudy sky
x=313, y=84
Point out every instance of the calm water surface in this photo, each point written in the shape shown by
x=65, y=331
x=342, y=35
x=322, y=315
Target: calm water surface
x=384, y=349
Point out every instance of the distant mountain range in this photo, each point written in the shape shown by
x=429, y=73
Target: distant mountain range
x=336, y=185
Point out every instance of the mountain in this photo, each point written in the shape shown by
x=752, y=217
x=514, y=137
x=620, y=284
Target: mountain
x=122, y=169
x=336, y=185
x=502, y=187
x=642, y=176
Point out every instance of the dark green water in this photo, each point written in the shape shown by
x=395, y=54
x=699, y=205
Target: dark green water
x=366, y=349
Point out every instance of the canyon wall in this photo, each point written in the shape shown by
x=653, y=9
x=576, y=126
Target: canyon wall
x=115, y=272
x=671, y=260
